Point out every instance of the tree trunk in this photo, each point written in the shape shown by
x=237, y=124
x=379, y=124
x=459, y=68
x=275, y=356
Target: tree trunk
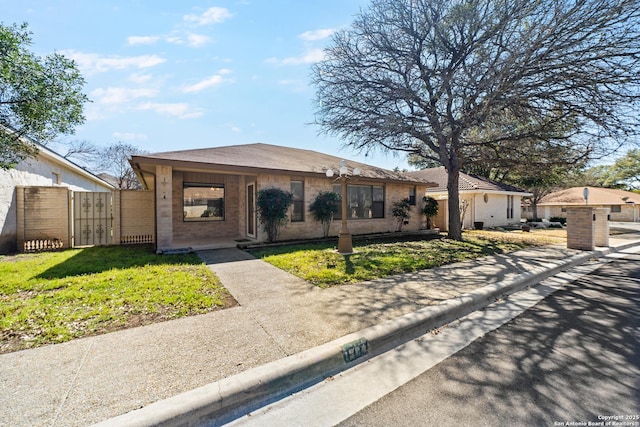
x=455, y=223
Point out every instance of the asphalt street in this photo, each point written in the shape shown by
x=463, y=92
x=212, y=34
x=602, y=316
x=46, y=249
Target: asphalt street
x=573, y=359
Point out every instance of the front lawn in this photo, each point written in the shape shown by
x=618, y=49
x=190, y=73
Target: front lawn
x=57, y=296
x=321, y=265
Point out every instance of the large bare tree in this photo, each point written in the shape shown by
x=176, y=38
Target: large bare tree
x=114, y=160
x=428, y=77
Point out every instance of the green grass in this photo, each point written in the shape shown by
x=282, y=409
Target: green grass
x=57, y=296
x=321, y=265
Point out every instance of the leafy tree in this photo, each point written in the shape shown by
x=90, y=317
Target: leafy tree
x=430, y=209
x=272, y=205
x=430, y=77
x=114, y=160
x=400, y=211
x=40, y=97
x=324, y=207
x=625, y=172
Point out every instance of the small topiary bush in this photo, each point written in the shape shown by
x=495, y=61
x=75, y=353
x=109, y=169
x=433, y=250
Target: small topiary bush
x=272, y=205
x=400, y=211
x=324, y=207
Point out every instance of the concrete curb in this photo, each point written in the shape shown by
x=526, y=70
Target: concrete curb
x=222, y=401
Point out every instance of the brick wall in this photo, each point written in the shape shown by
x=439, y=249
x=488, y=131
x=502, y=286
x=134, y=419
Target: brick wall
x=310, y=228
x=43, y=218
x=136, y=220
x=42, y=214
x=628, y=212
x=229, y=227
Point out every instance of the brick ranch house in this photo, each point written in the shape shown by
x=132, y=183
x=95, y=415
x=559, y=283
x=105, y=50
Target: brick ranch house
x=209, y=194
x=624, y=205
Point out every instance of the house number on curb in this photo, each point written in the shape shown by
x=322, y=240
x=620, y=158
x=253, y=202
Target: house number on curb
x=355, y=350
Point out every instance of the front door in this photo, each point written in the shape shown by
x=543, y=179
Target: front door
x=251, y=210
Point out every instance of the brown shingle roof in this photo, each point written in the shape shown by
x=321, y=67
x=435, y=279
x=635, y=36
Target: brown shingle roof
x=597, y=196
x=270, y=157
x=467, y=182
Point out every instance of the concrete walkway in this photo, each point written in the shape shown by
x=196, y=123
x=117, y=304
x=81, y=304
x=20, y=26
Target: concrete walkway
x=93, y=379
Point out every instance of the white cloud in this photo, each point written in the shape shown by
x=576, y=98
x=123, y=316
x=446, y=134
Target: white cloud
x=181, y=110
x=128, y=136
x=213, y=15
x=317, y=34
x=310, y=57
x=211, y=81
x=120, y=95
x=140, y=78
x=197, y=40
x=133, y=40
x=93, y=63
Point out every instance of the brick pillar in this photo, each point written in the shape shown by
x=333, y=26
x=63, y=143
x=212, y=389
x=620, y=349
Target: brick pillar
x=602, y=227
x=164, y=207
x=581, y=228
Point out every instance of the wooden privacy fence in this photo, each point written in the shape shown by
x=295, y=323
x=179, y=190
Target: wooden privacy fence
x=55, y=217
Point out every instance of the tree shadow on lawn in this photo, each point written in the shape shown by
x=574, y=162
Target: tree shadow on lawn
x=99, y=259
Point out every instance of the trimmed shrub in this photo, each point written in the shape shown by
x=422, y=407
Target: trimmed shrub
x=400, y=211
x=272, y=205
x=324, y=207
x=430, y=209
x=560, y=219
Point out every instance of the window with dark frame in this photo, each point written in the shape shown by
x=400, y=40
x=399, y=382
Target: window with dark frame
x=363, y=201
x=203, y=202
x=510, y=207
x=412, y=196
x=616, y=208
x=297, y=205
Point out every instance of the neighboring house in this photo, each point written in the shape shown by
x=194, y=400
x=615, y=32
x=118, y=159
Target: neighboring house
x=47, y=169
x=624, y=205
x=208, y=194
x=481, y=200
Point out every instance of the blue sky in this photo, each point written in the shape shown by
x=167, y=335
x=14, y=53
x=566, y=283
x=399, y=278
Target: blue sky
x=174, y=75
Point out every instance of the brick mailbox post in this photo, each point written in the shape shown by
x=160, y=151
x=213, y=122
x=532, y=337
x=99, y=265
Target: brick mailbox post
x=587, y=227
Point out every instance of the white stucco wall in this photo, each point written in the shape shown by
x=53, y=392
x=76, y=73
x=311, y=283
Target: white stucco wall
x=493, y=212
x=38, y=172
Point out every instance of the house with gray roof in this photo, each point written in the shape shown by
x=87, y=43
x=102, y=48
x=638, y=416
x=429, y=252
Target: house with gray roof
x=208, y=194
x=481, y=200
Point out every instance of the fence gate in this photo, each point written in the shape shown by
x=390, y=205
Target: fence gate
x=92, y=218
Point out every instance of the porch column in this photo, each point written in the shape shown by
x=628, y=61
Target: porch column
x=164, y=207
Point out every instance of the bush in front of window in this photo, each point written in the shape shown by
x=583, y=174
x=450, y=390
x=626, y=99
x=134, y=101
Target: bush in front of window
x=272, y=205
x=324, y=207
x=400, y=211
x=430, y=209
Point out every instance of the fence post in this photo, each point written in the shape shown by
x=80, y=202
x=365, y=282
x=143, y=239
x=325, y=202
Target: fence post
x=71, y=241
x=20, y=219
x=116, y=214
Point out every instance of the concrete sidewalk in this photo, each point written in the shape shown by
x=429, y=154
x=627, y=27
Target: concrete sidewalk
x=93, y=379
